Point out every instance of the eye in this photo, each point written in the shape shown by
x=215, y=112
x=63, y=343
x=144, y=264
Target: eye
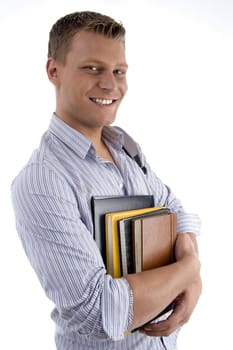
x=92, y=69
x=120, y=72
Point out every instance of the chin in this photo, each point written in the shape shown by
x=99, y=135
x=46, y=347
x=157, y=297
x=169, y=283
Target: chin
x=109, y=120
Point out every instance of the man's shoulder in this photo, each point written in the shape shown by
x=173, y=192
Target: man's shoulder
x=42, y=164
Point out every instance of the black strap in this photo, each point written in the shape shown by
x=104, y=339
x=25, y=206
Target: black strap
x=130, y=147
x=162, y=341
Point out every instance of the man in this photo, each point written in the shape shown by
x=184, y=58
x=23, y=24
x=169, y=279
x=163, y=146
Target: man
x=81, y=156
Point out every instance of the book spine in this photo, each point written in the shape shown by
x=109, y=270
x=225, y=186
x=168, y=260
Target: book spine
x=123, y=251
x=137, y=244
x=109, y=252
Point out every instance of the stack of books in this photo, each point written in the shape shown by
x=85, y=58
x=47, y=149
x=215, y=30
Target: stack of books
x=132, y=234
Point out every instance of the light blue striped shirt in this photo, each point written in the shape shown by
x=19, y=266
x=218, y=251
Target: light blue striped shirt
x=51, y=199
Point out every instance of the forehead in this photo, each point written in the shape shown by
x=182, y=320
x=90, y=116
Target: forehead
x=93, y=46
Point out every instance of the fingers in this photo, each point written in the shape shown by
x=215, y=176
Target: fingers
x=168, y=326
x=162, y=328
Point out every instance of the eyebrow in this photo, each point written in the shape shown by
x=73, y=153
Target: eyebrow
x=99, y=62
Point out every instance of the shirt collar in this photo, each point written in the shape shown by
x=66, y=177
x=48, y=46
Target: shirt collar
x=80, y=144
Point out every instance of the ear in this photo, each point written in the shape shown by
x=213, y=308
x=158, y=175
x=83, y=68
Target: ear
x=52, y=70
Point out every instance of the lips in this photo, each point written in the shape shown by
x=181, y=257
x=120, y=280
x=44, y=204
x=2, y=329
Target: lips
x=102, y=101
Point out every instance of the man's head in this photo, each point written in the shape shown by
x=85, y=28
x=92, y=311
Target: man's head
x=65, y=28
x=87, y=65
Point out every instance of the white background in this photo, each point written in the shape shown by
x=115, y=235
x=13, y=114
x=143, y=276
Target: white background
x=179, y=108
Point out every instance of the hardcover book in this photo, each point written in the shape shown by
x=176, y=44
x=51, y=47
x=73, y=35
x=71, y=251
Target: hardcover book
x=153, y=244
x=153, y=241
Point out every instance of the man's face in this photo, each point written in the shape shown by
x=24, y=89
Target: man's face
x=91, y=84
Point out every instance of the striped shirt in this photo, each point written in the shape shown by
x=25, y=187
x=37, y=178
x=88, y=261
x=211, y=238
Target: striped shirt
x=52, y=202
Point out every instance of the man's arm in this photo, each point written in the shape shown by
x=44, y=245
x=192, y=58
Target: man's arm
x=65, y=257
x=153, y=290
x=189, y=295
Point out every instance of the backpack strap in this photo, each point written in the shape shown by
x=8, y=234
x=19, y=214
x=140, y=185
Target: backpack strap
x=130, y=148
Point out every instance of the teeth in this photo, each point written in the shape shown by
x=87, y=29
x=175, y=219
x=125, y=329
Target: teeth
x=101, y=101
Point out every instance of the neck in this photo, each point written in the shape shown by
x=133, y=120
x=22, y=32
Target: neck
x=93, y=133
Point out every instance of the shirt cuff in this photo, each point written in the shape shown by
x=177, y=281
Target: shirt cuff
x=117, y=307
x=188, y=223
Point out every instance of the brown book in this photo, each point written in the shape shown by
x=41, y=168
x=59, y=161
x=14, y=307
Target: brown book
x=153, y=241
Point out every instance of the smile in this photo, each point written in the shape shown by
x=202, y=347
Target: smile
x=102, y=101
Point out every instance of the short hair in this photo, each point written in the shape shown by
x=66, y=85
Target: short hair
x=63, y=31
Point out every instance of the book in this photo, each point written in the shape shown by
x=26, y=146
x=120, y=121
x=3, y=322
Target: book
x=153, y=245
x=125, y=238
x=113, y=259
x=153, y=241
x=100, y=205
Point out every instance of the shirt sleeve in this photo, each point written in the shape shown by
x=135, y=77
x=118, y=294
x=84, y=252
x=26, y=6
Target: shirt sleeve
x=163, y=195
x=66, y=259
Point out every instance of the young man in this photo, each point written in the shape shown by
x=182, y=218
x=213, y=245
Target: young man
x=81, y=156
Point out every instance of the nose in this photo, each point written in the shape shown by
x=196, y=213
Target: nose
x=107, y=81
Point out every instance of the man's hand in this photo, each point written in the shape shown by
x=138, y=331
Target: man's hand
x=184, y=306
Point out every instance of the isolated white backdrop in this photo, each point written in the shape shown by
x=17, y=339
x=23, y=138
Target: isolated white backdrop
x=179, y=107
